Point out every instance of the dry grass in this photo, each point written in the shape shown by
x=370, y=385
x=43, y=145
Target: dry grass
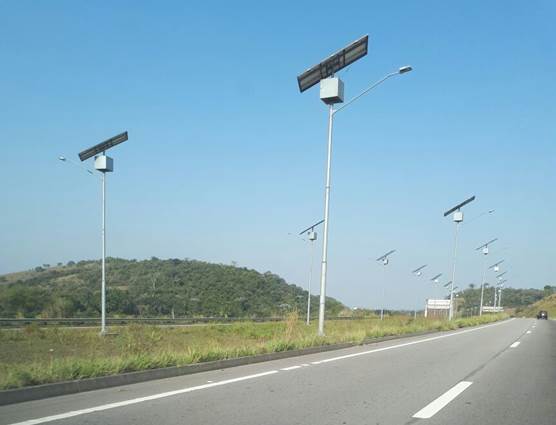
x=36, y=356
x=547, y=304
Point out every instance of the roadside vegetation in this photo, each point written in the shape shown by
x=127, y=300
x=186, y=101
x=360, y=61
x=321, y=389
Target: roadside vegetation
x=33, y=355
x=151, y=288
x=547, y=304
x=512, y=298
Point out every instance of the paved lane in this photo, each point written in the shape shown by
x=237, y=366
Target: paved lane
x=386, y=383
x=518, y=388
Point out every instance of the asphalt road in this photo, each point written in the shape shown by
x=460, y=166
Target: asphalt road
x=504, y=373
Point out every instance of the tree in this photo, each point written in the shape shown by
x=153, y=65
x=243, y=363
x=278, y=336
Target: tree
x=154, y=287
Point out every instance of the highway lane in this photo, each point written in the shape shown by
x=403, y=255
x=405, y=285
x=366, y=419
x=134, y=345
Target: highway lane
x=518, y=388
x=385, y=383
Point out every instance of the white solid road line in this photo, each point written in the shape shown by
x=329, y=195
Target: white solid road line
x=290, y=368
x=139, y=400
x=515, y=344
x=243, y=378
x=420, y=341
x=435, y=406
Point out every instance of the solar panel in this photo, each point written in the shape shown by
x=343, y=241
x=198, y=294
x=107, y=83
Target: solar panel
x=333, y=63
x=385, y=255
x=486, y=244
x=496, y=264
x=437, y=276
x=311, y=227
x=419, y=269
x=104, y=146
x=457, y=207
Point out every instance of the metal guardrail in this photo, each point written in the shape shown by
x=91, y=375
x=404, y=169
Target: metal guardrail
x=94, y=321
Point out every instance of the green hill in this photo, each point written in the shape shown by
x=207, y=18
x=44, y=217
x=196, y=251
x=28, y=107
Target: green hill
x=547, y=303
x=511, y=297
x=151, y=288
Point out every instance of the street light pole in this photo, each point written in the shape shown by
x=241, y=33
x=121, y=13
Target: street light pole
x=483, y=282
x=384, y=260
x=103, y=164
x=312, y=236
x=324, y=264
x=458, y=218
x=384, y=263
x=103, y=284
x=332, y=92
x=102, y=169
x=312, y=239
x=484, y=248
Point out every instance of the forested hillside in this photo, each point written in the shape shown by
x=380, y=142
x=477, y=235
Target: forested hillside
x=511, y=297
x=149, y=288
x=547, y=304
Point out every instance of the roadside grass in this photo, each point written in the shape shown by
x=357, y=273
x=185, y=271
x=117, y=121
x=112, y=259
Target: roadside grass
x=547, y=304
x=36, y=355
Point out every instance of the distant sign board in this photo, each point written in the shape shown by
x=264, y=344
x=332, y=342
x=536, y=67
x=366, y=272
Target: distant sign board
x=491, y=309
x=438, y=304
x=437, y=308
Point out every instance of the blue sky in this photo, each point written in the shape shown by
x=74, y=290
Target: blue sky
x=226, y=157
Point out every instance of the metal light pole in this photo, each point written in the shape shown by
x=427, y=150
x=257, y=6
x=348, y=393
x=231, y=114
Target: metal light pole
x=496, y=268
x=324, y=263
x=103, y=284
x=101, y=167
x=312, y=235
x=385, y=261
x=500, y=294
x=500, y=285
x=332, y=92
x=484, y=248
x=104, y=164
x=486, y=286
x=103, y=233
x=458, y=218
x=312, y=238
x=483, y=282
x=337, y=93
x=417, y=272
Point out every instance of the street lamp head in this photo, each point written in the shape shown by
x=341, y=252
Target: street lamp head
x=62, y=158
x=404, y=69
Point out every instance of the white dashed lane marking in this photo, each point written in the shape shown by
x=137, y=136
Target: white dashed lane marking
x=435, y=406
